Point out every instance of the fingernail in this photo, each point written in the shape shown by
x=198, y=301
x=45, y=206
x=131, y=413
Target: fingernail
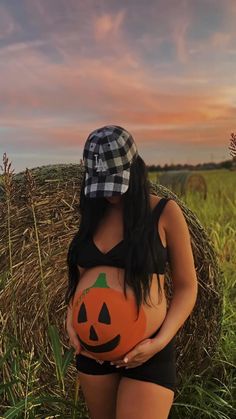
x=125, y=359
x=117, y=366
x=111, y=363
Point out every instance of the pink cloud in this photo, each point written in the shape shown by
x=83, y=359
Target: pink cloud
x=221, y=39
x=179, y=27
x=108, y=25
x=114, y=92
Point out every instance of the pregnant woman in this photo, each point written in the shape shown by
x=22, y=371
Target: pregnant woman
x=117, y=318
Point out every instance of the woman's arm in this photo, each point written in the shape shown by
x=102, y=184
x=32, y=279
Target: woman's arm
x=74, y=341
x=185, y=285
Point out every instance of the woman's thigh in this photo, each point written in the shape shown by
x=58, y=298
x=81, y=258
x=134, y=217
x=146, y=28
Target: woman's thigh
x=138, y=399
x=100, y=393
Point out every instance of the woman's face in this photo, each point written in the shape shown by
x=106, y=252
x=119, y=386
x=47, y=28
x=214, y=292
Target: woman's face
x=116, y=199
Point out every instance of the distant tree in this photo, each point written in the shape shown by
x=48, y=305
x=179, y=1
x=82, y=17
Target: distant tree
x=232, y=146
x=226, y=164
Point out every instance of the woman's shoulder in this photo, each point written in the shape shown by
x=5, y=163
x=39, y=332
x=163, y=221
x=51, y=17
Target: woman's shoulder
x=172, y=212
x=171, y=208
x=154, y=200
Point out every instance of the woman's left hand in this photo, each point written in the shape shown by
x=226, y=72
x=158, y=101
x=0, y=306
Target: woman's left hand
x=140, y=353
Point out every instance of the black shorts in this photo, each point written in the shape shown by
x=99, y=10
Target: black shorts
x=159, y=369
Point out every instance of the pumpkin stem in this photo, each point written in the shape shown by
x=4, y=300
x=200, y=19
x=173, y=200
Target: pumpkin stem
x=101, y=281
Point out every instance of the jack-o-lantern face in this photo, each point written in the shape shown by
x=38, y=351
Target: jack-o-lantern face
x=105, y=321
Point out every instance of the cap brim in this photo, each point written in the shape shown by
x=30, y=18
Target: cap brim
x=107, y=185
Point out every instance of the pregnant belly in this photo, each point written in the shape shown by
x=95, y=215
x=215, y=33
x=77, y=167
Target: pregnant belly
x=106, y=322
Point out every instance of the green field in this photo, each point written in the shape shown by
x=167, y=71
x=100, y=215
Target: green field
x=215, y=397
x=200, y=397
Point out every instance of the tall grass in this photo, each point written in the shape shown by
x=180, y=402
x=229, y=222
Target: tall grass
x=212, y=393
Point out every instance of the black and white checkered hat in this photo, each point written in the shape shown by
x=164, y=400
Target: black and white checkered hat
x=107, y=156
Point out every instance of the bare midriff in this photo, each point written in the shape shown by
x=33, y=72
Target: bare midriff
x=155, y=312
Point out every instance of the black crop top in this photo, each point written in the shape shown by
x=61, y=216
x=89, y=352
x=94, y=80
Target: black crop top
x=89, y=255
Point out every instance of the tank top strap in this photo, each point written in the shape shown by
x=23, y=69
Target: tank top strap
x=159, y=208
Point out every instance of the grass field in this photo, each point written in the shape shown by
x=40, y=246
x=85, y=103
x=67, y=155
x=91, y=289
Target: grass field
x=215, y=397
x=203, y=396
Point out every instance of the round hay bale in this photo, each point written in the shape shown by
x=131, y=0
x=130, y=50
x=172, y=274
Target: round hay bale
x=183, y=182
x=33, y=248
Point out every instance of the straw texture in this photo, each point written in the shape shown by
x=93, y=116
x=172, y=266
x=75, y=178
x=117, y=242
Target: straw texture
x=38, y=218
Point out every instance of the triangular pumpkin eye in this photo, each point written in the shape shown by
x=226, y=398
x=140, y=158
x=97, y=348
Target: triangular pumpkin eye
x=82, y=315
x=104, y=316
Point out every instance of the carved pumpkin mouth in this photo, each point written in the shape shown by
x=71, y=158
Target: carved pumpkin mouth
x=104, y=347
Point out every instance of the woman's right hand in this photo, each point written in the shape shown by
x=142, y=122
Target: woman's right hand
x=73, y=338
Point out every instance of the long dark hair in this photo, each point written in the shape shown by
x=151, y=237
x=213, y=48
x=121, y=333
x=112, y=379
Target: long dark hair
x=140, y=234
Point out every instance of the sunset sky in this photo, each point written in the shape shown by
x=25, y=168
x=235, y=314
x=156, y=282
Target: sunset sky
x=163, y=69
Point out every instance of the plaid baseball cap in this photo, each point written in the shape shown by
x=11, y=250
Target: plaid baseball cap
x=107, y=157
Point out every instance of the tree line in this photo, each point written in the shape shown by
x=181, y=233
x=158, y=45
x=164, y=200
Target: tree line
x=227, y=164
